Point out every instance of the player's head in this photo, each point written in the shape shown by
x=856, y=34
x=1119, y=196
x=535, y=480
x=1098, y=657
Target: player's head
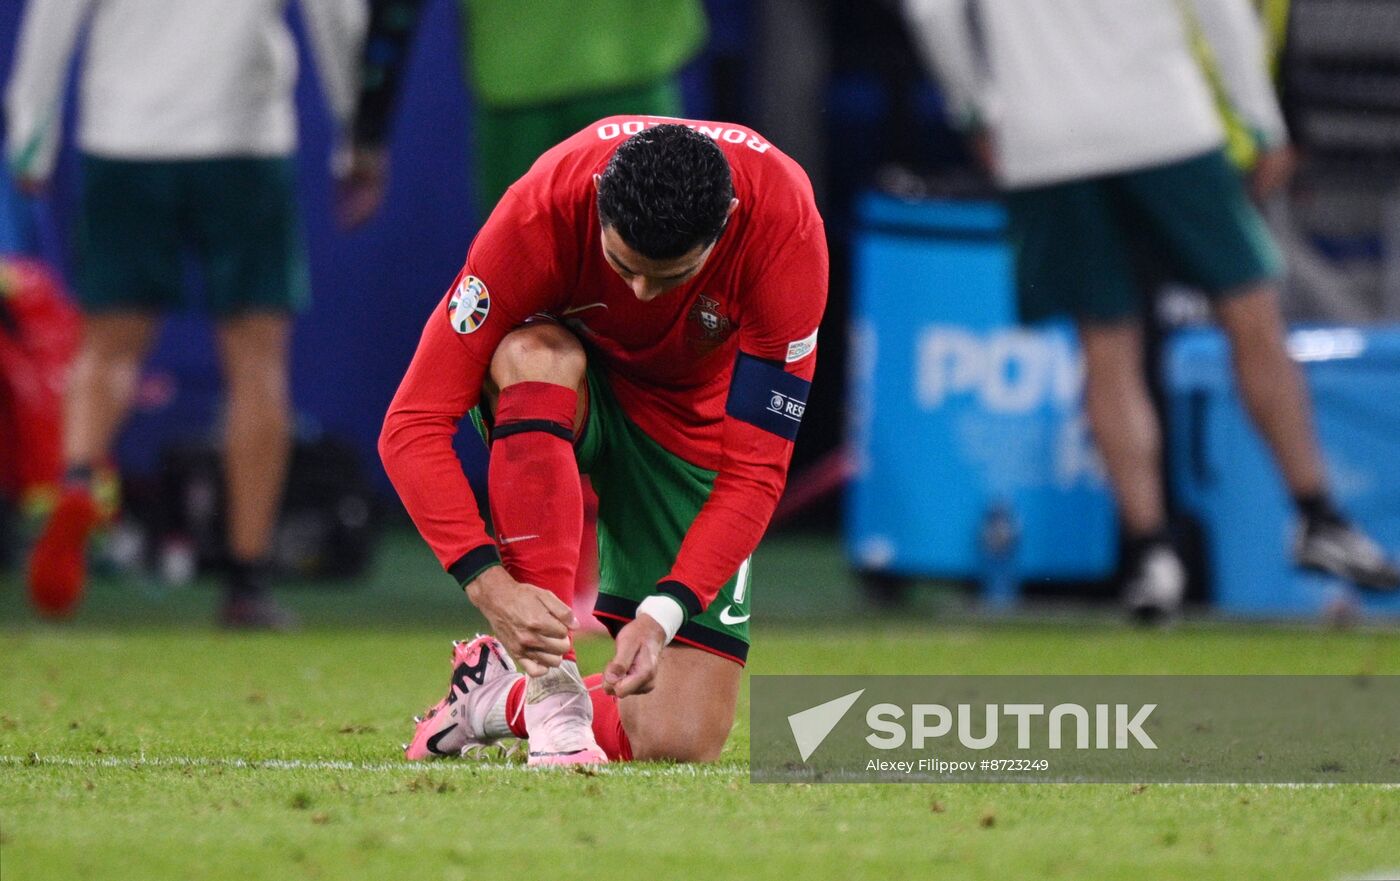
x=663, y=201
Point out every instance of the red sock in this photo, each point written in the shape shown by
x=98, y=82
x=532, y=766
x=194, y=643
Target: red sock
x=536, y=497
x=515, y=708
x=607, y=721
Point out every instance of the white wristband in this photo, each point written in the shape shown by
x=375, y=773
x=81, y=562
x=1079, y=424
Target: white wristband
x=664, y=610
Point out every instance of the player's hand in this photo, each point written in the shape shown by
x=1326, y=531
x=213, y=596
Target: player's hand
x=360, y=190
x=532, y=622
x=633, y=667
x=1273, y=169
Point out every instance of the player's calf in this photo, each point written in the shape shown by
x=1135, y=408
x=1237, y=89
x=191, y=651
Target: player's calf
x=678, y=742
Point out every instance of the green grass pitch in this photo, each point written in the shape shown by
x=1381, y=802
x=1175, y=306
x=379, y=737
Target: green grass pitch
x=139, y=743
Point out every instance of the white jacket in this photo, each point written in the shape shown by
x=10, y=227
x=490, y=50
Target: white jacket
x=174, y=79
x=1079, y=88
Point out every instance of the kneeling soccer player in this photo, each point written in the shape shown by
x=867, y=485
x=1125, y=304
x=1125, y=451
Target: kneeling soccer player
x=642, y=307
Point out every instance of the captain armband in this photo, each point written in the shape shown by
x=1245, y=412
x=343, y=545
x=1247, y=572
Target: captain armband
x=765, y=395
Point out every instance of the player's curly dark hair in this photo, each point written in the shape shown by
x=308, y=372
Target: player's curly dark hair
x=666, y=190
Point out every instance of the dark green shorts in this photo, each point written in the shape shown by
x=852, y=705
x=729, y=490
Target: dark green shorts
x=647, y=499
x=237, y=219
x=1080, y=245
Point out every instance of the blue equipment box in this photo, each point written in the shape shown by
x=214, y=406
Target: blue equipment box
x=1222, y=473
x=958, y=417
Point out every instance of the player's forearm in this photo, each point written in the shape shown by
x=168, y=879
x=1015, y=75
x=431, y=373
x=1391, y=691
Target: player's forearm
x=416, y=449
x=762, y=415
x=441, y=385
x=728, y=529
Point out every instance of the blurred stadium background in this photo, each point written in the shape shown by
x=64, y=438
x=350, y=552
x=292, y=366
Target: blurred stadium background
x=961, y=430
x=947, y=511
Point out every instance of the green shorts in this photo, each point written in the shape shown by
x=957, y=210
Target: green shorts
x=647, y=499
x=237, y=218
x=1080, y=245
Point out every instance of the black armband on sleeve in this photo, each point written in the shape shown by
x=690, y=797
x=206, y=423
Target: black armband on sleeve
x=765, y=395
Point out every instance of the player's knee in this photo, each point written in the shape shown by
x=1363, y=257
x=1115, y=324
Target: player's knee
x=543, y=353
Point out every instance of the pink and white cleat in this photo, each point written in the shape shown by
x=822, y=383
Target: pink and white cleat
x=559, y=717
x=472, y=715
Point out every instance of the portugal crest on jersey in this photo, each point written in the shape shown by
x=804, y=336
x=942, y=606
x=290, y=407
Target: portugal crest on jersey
x=469, y=305
x=708, y=325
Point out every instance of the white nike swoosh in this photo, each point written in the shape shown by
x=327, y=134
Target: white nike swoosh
x=584, y=308
x=725, y=617
x=515, y=538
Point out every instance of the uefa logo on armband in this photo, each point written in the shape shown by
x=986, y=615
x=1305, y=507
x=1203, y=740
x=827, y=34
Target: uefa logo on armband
x=469, y=305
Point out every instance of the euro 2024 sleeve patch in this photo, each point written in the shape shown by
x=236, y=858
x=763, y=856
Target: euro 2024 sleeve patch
x=799, y=349
x=469, y=305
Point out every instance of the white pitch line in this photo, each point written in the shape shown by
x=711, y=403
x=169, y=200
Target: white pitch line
x=138, y=762
x=927, y=779
x=621, y=769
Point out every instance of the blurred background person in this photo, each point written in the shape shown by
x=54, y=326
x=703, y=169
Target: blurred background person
x=38, y=339
x=187, y=133
x=388, y=39
x=532, y=86
x=575, y=64
x=1097, y=119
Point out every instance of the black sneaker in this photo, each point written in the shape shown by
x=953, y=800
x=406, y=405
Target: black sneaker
x=1333, y=546
x=1154, y=585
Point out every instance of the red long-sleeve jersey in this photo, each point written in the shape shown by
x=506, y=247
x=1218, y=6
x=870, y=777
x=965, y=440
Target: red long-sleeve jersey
x=756, y=303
